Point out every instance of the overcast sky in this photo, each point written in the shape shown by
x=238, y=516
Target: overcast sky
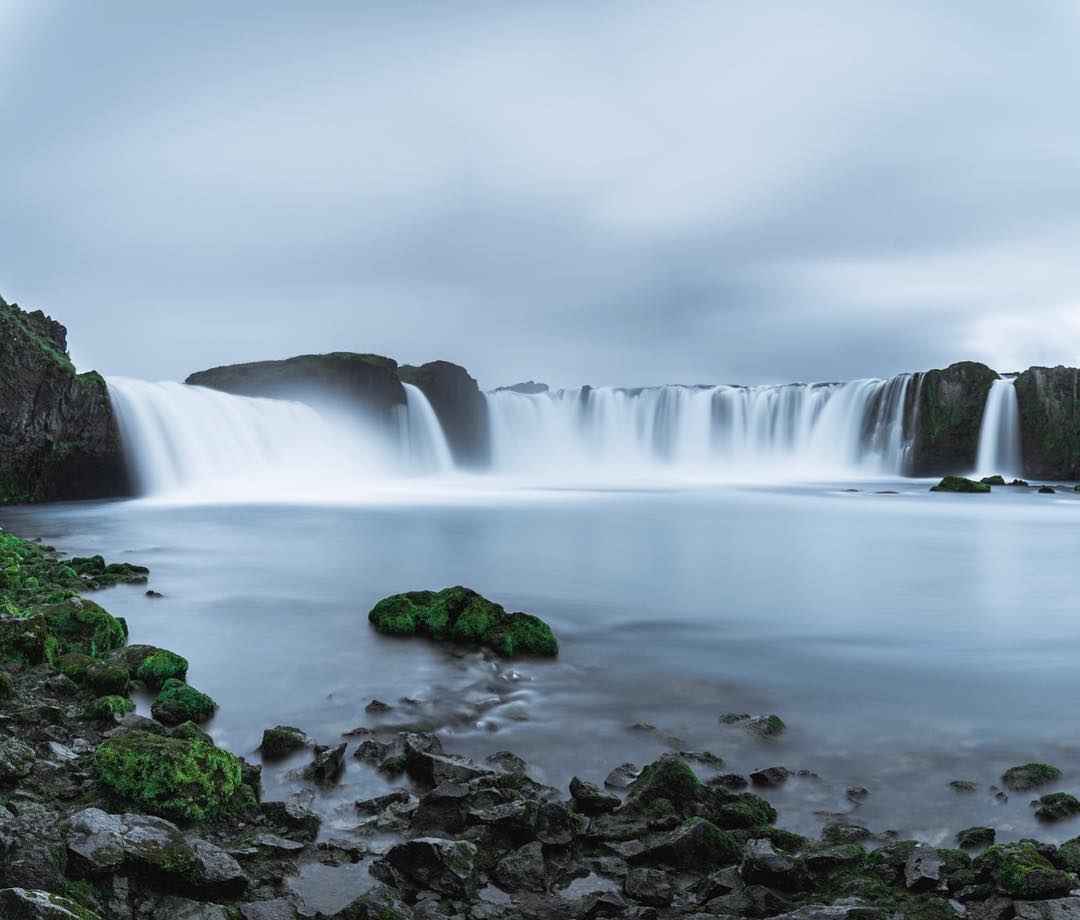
x=625, y=193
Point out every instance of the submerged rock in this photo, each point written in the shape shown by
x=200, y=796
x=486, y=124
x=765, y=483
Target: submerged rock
x=1056, y=805
x=282, y=740
x=461, y=615
x=1030, y=776
x=960, y=484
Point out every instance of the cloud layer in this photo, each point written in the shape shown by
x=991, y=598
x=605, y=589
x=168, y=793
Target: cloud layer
x=605, y=193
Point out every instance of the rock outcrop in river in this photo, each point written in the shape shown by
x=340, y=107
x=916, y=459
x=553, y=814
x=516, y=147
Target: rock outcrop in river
x=372, y=382
x=58, y=437
x=1049, y=404
x=948, y=412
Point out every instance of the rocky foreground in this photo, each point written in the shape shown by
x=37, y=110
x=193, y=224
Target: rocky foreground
x=108, y=814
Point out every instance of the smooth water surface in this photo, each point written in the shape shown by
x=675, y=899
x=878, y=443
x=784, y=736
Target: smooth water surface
x=906, y=639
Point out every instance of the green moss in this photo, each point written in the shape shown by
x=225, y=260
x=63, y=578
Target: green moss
x=460, y=614
x=669, y=780
x=161, y=665
x=1014, y=863
x=741, y=810
x=82, y=626
x=1069, y=852
x=1030, y=776
x=178, y=702
x=1056, y=805
x=976, y=837
x=282, y=740
x=170, y=777
x=960, y=484
x=109, y=707
x=993, y=480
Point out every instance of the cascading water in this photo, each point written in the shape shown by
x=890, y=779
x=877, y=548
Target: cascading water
x=999, y=435
x=192, y=442
x=799, y=431
x=188, y=441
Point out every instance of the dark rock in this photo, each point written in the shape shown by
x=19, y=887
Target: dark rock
x=925, y=869
x=296, y=818
x=770, y=777
x=844, y=832
x=963, y=785
x=946, y=415
x=993, y=480
x=522, y=869
x=590, y=800
x=327, y=763
x=58, y=436
x=730, y=781
x=1046, y=490
x=1030, y=776
x=1049, y=403
x=960, y=484
x=178, y=702
x=461, y=408
x=380, y=802
x=763, y=865
x=341, y=380
x=1059, y=909
x=281, y=741
x=31, y=852
x=447, y=867
x=1022, y=870
x=16, y=759
x=506, y=761
x=622, y=776
x=558, y=824
x=695, y=844
x=443, y=809
x=378, y=707
x=102, y=845
x=975, y=838
x=649, y=886
x=1055, y=806
x=529, y=388
x=856, y=793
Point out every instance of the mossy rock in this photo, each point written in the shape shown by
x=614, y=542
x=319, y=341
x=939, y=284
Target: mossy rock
x=1069, y=854
x=461, y=615
x=669, y=780
x=79, y=625
x=102, y=678
x=976, y=838
x=960, y=484
x=171, y=777
x=1056, y=805
x=178, y=702
x=1019, y=869
x=152, y=665
x=109, y=707
x=1030, y=776
x=993, y=480
x=282, y=740
x=189, y=731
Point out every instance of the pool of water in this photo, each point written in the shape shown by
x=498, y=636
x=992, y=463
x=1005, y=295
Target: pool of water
x=906, y=639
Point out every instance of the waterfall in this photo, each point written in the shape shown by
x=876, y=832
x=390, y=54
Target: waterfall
x=189, y=441
x=424, y=442
x=796, y=431
x=999, y=435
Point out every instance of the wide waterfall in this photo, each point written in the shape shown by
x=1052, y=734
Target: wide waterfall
x=188, y=441
x=999, y=434
x=191, y=442
x=798, y=431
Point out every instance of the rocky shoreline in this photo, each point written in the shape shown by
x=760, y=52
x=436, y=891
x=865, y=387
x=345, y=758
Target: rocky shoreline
x=109, y=814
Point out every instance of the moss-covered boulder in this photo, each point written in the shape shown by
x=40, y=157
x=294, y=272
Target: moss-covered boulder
x=109, y=707
x=102, y=677
x=993, y=480
x=1056, y=805
x=150, y=664
x=1020, y=870
x=79, y=625
x=282, y=740
x=461, y=615
x=178, y=702
x=171, y=777
x=976, y=838
x=1030, y=776
x=960, y=484
x=694, y=844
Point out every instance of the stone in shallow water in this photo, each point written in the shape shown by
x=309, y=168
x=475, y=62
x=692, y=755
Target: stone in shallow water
x=622, y=776
x=770, y=777
x=282, y=740
x=590, y=800
x=447, y=867
x=1030, y=776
